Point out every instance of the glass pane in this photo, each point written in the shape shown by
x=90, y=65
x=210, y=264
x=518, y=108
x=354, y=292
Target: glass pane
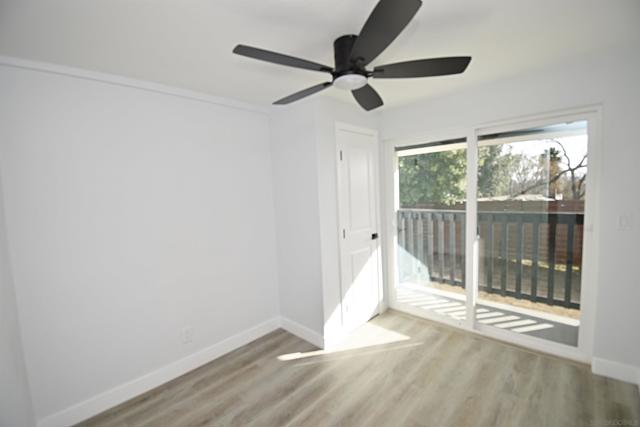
x=431, y=225
x=531, y=195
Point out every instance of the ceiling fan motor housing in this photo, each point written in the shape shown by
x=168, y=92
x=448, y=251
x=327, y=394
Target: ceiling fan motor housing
x=342, y=47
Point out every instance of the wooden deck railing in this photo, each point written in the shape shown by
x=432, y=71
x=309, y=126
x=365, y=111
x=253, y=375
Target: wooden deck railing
x=532, y=256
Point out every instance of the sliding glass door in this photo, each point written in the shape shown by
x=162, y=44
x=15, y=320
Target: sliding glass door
x=430, y=215
x=531, y=204
x=523, y=188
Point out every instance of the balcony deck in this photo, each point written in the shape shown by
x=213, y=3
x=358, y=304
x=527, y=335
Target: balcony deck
x=520, y=320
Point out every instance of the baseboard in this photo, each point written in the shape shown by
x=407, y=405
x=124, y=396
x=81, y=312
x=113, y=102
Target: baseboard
x=302, y=331
x=124, y=392
x=616, y=370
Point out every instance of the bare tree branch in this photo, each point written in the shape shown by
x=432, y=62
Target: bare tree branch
x=576, y=185
x=541, y=183
x=564, y=152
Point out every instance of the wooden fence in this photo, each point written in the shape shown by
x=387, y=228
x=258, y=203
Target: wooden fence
x=533, y=256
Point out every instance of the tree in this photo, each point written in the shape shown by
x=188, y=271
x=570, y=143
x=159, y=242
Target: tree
x=558, y=177
x=576, y=174
x=496, y=166
x=438, y=179
x=434, y=179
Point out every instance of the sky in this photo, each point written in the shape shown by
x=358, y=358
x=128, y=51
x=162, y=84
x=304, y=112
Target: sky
x=576, y=147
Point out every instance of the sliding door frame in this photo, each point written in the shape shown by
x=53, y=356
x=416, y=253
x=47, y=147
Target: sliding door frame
x=591, y=114
x=391, y=205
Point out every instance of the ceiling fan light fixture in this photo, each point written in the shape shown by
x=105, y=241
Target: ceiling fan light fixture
x=350, y=81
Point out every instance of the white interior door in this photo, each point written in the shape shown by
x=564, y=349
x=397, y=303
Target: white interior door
x=358, y=206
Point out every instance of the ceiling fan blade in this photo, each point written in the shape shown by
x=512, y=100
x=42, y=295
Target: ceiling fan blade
x=387, y=20
x=367, y=97
x=279, y=58
x=302, y=94
x=423, y=68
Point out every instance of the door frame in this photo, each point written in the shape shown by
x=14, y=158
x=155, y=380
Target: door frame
x=590, y=271
x=341, y=126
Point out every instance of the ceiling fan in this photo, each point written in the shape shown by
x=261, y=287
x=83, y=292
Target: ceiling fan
x=352, y=53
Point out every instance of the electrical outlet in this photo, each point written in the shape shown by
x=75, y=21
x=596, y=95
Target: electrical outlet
x=187, y=335
x=625, y=222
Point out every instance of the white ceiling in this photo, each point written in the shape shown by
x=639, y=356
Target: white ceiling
x=188, y=43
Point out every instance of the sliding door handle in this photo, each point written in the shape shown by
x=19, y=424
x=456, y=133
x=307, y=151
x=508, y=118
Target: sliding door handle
x=374, y=236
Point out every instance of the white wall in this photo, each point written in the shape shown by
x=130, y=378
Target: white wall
x=131, y=215
x=295, y=181
x=611, y=80
x=15, y=399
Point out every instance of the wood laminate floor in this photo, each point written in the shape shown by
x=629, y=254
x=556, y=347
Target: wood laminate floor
x=396, y=371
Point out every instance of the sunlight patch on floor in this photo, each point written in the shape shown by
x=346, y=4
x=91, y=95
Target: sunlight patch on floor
x=537, y=327
x=498, y=319
x=367, y=335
